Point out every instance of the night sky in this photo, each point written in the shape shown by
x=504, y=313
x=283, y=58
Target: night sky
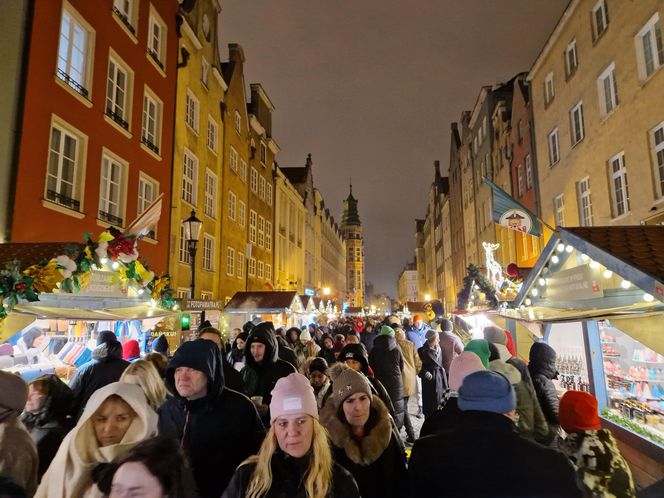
x=370, y=87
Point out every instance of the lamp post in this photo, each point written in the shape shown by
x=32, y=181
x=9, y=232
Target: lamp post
x=192, y=230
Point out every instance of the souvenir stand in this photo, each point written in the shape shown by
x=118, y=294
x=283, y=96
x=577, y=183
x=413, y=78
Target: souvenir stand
x=310, y=311
x=283, y=308
x=596, y=295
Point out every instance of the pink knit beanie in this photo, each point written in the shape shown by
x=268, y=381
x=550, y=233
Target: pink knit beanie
x=293, y=395
x=462, y=365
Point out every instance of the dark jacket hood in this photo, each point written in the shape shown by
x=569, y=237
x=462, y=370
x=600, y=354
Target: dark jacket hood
x=57, y=404
x=160, y=345
x=542, y=360
x=355, y=352
x=263, y=333
x=107, y=351
x=385, y=342
x=241, y=335
x=200, y=355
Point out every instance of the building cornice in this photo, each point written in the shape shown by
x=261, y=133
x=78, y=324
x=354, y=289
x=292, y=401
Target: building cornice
x=273, y=146
x=478, y=105
x=255, y=124
x=261, y=91
x=187, y=29
x=220, y=79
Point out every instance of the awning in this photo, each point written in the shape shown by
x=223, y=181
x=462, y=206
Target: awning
x=117, y=314
x=13, y=323
x=545, y=314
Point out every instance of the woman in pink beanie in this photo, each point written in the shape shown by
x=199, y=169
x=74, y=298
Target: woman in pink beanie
x=295, y=458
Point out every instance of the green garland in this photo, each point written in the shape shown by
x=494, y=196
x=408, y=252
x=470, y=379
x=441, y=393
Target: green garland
x=473, y=277
x=632, y=426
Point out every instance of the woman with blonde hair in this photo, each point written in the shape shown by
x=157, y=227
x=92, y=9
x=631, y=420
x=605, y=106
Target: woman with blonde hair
x=295, y=458
x=144, y=374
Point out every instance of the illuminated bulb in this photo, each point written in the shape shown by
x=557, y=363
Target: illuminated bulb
x=561, y=247
x=103, y=261
x=607, y=273
x=528, y=302
x=175, y=307
x=648, y=298
x=594, y=264
x=584, y=257
x=555, y=259
x=625, y=284
x=141, y=292
x=115, y=265
x=153, y=303
x=569, y=248
x=541, y=281
x=534, y=292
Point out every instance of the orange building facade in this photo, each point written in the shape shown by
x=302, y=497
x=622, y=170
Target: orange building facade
x=97, y=130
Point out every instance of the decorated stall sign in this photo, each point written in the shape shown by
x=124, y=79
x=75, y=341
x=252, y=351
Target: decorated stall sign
x=581, y=282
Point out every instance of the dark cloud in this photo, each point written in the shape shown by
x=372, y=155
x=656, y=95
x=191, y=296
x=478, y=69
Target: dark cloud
x=370, y=87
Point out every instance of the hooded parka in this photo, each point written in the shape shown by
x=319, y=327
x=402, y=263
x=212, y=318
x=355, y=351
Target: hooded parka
x=542, y=368
x=217, y=431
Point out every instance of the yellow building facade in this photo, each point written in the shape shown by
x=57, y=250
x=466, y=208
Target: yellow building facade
x=197, y=156
x=597, y=92
x=290, y=214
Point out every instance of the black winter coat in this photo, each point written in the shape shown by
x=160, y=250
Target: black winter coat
x=433, y=389
x=285, y=352
x=328, y=355
x=368, y=339
x=288, y=476
x=478, y=458
x=218, y=431
x=446, y=416
x=542, y=368
x=105, y=367
x=386, y=362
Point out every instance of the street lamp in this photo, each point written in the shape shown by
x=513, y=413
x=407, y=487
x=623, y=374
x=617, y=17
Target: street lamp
x=192, y=230
x=326, y=291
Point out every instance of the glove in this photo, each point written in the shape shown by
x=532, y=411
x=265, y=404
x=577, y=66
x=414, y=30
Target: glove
x=428, y=376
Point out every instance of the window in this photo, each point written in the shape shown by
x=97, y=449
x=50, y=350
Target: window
x=519, y=182
x=233, y=159
x=230, y=261
x=263, y=153
x=529, y=172
x=125, y=10
x=253, y=217
x=240, y=265
x=600, y=19
x=254, y=179
x=206, y=296
x=65, y=165
x=232, y=202
x=118, y=92
x=619, y=189
x=607, y=90
x=212, y=134
x=585, y=203
x=75, y=51
x=243, y=170
x=252, y=267
x=260, y=270
x=577, y=131
x=238, y=122
x=261, y=231
x=549, y=90
x=205, y=71
x=151, y=125
x=657, y=138
x=191, y=111
x=268, y=272
x=554, y=148
x=210, y=194
x=189, y=177
x=268, y=194
x=571, y=58
x=147, y=191
x=208, y=253
x=184, y=250
x=261, y=188
x=268, y=235
x=156, y=38
x=649, y=48
x=110, y=190
x=241, y=213
x=559, y=210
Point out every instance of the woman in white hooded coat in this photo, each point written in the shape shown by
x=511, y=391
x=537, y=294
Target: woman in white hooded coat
x=116, y=418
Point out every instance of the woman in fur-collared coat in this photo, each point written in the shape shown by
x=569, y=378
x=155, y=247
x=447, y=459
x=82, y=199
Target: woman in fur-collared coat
x=363, y=436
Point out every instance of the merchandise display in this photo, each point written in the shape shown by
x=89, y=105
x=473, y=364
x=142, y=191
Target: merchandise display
x=567, y=340
x=634, y=377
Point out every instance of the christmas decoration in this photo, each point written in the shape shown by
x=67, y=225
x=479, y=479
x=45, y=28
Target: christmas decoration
x=474, y=279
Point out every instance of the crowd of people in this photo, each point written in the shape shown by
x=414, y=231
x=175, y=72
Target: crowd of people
x=318, y=411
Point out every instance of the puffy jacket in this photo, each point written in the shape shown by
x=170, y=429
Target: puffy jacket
x=531, y=418
x=412, y=364
x=386, y=361
x=288, y=474
x=542, y=368
x=417, y=336
x=218, y=431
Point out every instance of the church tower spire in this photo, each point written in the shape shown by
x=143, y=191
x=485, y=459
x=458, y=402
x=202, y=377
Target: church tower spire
x=351, y=229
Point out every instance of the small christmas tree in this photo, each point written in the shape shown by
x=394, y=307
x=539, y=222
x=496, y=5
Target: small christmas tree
x=473, y=277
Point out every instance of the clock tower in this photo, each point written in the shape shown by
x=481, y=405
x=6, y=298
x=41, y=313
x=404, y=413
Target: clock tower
x=351, y=229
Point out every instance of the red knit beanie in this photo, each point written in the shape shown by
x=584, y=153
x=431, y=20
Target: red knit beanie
x=578, y=412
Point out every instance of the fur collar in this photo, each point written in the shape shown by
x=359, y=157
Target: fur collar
x=372, y=446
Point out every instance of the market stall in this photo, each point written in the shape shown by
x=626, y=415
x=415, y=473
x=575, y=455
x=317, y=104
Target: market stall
x=283, y=308
x=596, y=295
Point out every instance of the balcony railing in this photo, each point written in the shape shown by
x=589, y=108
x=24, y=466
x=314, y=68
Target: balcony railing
x=63, y=200
x=72, y=83
x=125, y=20
x=148, y=143
x=155, y=57
x=110, y=218
x=117, y=118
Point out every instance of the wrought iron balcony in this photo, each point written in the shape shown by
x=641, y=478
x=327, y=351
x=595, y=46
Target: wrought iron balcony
x=72, y=83
x=124, y=19
x=155, y=57
x=110, y=218
x=117, y=118
x=148, y=143
x=63, y=200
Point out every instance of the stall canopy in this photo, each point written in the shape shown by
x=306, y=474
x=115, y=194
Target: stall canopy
x=265, y=302
x=595, y=272
x=308, y=303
